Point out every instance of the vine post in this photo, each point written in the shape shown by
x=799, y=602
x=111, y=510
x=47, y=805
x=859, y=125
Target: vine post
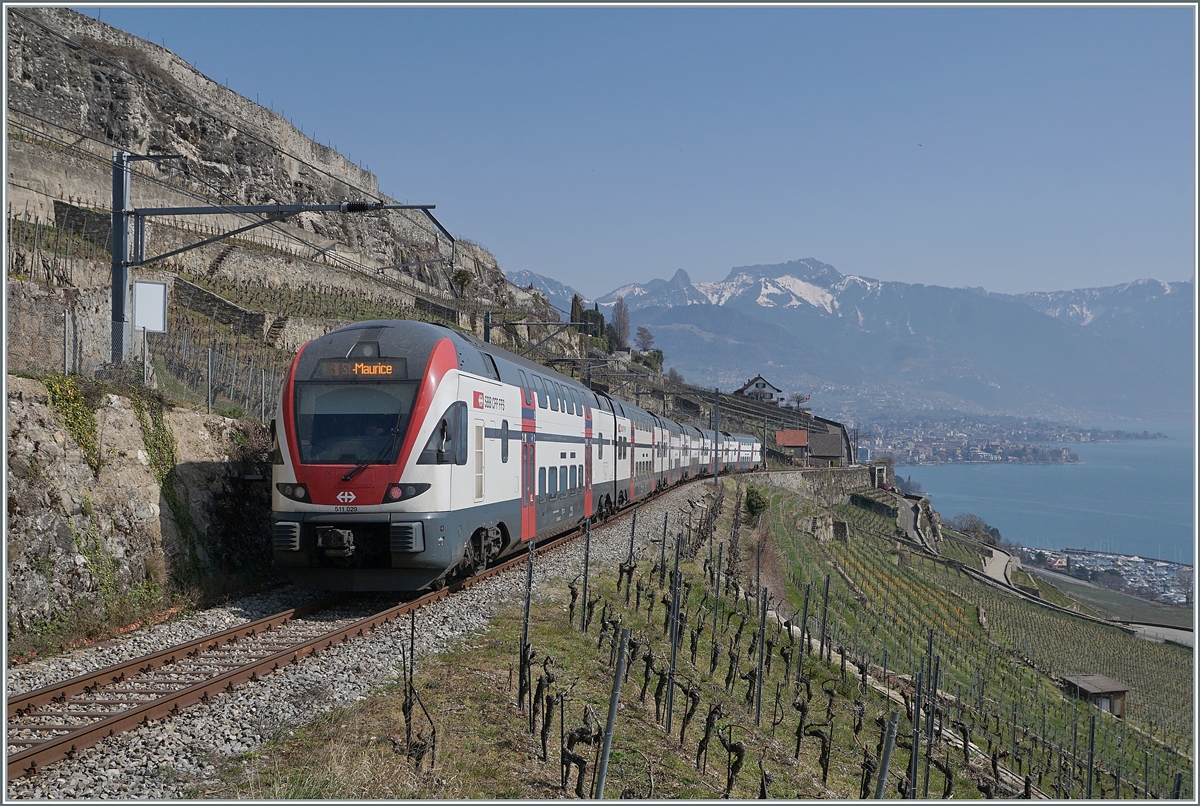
x=587, y=554
x=888, y=745
x=916, y=740
x=931, y=712
x=717, y=594
x=523, y=686
x=676, y=592
x=662, y=557
x=1091, y=752
x=602, y=773
x=632, y=532
x=762, y=638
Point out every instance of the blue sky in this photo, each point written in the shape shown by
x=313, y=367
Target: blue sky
x=1017, y=149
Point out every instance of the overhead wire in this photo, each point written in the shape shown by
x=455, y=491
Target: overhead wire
x=286, y=233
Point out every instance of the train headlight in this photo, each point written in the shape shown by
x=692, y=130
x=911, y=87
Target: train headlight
x=403, y=492
x=296, y=492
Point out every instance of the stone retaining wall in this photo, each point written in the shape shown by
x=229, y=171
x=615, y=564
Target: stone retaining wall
x=830, y=486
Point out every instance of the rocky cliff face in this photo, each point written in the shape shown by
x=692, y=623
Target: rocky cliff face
x=86, y=529
x=80, y=538
x=78, y=89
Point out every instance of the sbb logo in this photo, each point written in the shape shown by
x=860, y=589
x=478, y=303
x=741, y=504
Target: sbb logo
x=345, y=496
x=479, y=400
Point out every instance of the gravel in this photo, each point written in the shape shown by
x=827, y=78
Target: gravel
x=174, y=758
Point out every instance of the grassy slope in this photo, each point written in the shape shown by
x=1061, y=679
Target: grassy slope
x=883, y=599
x=1119, y=605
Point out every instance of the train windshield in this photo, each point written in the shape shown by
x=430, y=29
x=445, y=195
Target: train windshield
x=352, y=423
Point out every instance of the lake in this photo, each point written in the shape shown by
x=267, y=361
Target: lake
x=1129, y=497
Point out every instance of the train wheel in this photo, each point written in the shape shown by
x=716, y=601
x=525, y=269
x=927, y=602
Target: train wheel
x=473, y=560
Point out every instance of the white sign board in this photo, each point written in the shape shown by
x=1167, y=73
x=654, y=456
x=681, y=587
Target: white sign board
x=149, y=306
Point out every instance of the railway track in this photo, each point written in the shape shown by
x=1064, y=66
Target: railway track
x=58, y=721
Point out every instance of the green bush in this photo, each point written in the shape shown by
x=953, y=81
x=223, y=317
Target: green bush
x=756, y=501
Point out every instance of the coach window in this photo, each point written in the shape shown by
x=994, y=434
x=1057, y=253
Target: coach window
x=541, y=484
x=489, y=366
x=543, y=398
x=504, y=440
x=573, y=478
x=524, y=385
x=552, y=390
x=562, y=478
x=601, y=444
x=553, y=485
x=448, y=444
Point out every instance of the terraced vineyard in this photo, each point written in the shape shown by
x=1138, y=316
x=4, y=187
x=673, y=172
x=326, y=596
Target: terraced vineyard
x=998, y=656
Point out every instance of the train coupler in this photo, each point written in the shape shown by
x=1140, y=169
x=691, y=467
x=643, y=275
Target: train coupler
x=336, y=542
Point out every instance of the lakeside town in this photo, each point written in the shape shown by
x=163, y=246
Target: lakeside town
x=960, y=438
x=1144, y=577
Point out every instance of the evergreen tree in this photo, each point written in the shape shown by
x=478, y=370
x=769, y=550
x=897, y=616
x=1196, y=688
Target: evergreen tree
x=620, y=323
x=577, y=309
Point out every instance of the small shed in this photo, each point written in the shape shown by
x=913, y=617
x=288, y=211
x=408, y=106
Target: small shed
x=1103, y=692
x=793, y=442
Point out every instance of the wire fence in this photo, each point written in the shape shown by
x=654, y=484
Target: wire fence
x=207, y=363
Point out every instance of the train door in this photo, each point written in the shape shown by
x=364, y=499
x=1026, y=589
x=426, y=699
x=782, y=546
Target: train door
x=588, y=500
x=479, y=445
x=528, y=460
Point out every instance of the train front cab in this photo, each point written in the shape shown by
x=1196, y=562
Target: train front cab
x=360, y=507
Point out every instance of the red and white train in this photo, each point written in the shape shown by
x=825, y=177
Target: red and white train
x=406, y=452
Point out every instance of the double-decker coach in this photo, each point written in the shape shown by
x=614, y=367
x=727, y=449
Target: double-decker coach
x=406, y=451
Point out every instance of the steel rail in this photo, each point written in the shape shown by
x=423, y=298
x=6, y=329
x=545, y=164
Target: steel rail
x=43, y=752
x=40, y=753
x=22, y=704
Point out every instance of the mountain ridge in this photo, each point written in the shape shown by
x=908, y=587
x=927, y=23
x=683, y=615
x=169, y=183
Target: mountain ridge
x=1121, y=350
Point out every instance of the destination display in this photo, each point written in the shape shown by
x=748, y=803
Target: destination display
x=360, y=369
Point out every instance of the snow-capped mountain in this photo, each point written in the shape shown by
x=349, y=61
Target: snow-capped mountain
x=679, y=290
x=1124, y=349
x=559, y=294
x=1144, y=312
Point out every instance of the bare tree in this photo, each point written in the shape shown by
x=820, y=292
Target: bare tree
x=970, y=524
x=644, y=339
